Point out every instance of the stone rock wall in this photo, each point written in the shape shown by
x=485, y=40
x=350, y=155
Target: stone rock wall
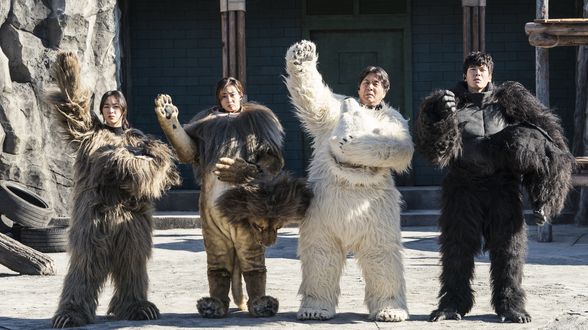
x=32, y=32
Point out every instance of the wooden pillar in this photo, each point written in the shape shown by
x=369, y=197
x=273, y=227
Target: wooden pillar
x=233, y=38
x=474, y=29
x=544, y=233
x=581, y=120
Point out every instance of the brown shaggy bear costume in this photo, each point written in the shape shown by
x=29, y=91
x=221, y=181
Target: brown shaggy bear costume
x=254, y=137
x=116, y=179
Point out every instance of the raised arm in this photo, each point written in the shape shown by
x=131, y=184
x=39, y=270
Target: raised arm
x=315, y=103
x=167, y=115
x=437, y=133
x=70, y=100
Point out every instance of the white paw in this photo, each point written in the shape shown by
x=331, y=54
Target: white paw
x=306, y=313
x=301, y=52
x=345, y=142
x=391, y=315
x=164, y=108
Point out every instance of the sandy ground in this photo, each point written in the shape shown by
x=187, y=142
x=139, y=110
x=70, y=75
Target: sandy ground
x=556, y=281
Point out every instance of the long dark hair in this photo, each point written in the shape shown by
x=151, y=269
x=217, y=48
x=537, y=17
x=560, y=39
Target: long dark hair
x=123, y=104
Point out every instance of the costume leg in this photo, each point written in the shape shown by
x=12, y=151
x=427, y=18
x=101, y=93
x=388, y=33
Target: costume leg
x=322, y=259
x=132, y=245
x=251, y=256
x=460, y=242
x=506, y=239
x=385, y=289
x=89, y=265
x=220, y=258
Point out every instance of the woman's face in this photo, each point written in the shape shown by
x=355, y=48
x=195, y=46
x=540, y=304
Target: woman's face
x=230, y=99
x=112, y=112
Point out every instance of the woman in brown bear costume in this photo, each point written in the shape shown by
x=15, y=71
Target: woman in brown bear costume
x=251, y=136
x=119, y=171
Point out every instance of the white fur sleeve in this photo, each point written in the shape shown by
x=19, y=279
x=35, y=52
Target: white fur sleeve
x=316, y=105
x=382, y=141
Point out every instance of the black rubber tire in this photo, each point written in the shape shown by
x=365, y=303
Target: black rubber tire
x=47, y=240
x=5, y=224
x=23, y=206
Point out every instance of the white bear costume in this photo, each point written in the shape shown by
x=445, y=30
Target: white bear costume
x=356, y=207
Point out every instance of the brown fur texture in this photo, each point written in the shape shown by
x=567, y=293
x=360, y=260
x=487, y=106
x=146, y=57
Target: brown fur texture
x=255, y=135
x=116, y=177
x=266, y=205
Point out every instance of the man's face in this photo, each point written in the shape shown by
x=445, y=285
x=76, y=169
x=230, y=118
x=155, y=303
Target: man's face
x=371, y=90
x=477, y=78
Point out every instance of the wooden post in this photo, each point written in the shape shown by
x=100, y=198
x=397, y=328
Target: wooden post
x=474, y=20
x=233, y=38
x=23, y=259
x=581, y=121
x=544, y=232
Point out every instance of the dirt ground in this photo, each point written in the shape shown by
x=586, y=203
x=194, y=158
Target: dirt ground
x=556, y=281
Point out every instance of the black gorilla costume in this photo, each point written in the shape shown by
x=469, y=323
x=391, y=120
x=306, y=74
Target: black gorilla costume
x=494, y=143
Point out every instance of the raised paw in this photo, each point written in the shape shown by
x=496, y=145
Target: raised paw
x=212, y=308
x=444, y=314
x=143, y=311
x=515, y=316
x=264, y=306
x=391, y=315
x=305, y=313
x=300, y=52
x=345, y=140
x=68, y=319
x=164, y=108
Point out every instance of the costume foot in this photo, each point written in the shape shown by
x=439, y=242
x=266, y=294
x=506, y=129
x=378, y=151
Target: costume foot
x=264, y=306
x=307, y=313
x=141, y=311
x=515, y=316
x=68, y=319
x=212, y=308
x=391, y=315
x=444, y=314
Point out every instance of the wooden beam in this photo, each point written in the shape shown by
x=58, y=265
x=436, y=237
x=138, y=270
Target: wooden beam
x=558, y=29
x=23, y=259
x=549, y=41
x=241, y=54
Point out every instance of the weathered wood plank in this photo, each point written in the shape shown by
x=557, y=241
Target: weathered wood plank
x=23, y=259
x=558, y=29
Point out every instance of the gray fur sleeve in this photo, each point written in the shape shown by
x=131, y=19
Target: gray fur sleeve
x=436, y=132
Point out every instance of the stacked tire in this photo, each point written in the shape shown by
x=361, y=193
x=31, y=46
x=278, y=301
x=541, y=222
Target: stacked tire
x=29, y=216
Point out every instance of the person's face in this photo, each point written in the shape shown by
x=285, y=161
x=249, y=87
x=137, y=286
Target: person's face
x=371, y=90
x=230, y=99
x=477, y=78
x=112, y=112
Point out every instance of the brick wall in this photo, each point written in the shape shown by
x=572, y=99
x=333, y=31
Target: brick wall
x=175, y=49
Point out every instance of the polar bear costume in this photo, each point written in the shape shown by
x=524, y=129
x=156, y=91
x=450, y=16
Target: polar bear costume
x=356, y=207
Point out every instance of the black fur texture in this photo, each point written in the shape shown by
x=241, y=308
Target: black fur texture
x=482, y=201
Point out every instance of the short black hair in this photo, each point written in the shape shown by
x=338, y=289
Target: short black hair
x=379, y=72
x=478, y=59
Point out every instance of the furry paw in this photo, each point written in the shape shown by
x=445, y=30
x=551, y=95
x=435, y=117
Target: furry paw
x=140, y=311
x=212, y=308
x=235, y=171
x=391, y=315
x=165, y=110
x=444, y=314
x=68, y=319
x=301, y=52
x=264, y=306
x=515, y=316
x=306, y=313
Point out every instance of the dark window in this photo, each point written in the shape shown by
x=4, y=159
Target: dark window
x=329, y=7
x=374, y=7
